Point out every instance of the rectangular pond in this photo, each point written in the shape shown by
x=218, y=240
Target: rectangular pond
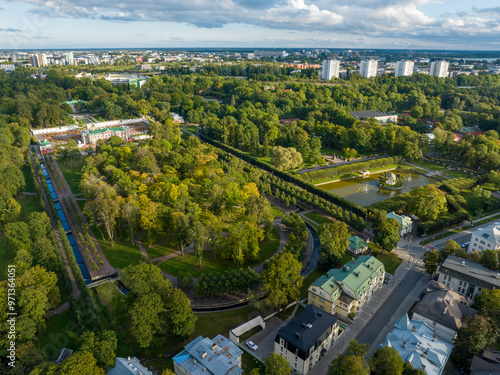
x=365, y=191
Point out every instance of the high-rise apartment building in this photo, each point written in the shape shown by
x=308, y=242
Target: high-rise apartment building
x=439, y=68
x=69, y=58
x=330, y=69
x=368, y=68
x=404, y=68
x=38, y=60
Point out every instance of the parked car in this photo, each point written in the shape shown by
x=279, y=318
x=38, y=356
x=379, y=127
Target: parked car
x=465, y=244
x=252, y=345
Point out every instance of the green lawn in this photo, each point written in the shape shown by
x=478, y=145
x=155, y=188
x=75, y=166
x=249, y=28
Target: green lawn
x=249, y=362
x=318, y=218
x=428, y=165
x=189, y=263
x=276, y=211
x=61, y=332
x=121, y=254
x=391, y=261
x=29, y=204
x=28, y=179
x=162, y=246
x=191, y=128
x=73, y=175
x=456, y=174
x=7, y=255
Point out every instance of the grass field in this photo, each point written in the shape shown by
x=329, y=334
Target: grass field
x=189, y=263
x=277, y=212
x=29, y=204
x=456, y=174
x=390, y=260
x=28, y=179
x=73, y=175
x=121, y=254
x=61, y=332
x=162, y=246
x=191, y=128
x=318, y=218
x=428, y=165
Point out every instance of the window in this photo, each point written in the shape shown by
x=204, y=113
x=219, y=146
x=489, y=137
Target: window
x=460, y=283
x=313, y=296
x=321, y=300
x=482, y=242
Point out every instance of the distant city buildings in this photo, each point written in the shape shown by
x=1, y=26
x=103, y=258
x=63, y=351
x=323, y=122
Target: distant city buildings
x=439, y=68
x=330, y=69
x=485, y=238
x=219, y=356
x=368, y=68
x=404, y=68
x=466, y=277
x=270, y=53
x=306, y=339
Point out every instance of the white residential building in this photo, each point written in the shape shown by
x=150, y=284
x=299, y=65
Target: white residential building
x=417, y=344
x=368, y=68
x=467, y=278
x=485, y=238
x=439, y=68
x=404, y=68
x=330, y=70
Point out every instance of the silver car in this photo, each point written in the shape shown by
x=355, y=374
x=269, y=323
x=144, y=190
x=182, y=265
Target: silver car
x=252, y=345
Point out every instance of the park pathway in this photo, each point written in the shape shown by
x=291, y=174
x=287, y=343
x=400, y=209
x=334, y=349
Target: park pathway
x=75, y=291
x=65, y=195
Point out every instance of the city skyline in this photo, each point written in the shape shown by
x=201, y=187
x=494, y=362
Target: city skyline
x=420, y=24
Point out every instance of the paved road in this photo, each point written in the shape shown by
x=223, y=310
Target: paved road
x=380, y=318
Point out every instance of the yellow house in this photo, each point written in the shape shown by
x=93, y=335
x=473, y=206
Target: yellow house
x=347, y=289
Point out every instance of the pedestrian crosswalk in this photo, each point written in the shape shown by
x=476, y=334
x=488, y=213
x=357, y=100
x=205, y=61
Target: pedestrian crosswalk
x=419, y=263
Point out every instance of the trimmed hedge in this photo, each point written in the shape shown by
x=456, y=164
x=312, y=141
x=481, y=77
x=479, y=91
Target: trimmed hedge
x=332, y=198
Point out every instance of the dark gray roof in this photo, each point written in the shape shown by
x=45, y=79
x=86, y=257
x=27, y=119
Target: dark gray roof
x=443, y=307
x=369, y=114
x=483, y=366
x=471, y=272
x=300, y=335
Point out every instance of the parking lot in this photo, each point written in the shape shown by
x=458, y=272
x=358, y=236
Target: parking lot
x=265, y=339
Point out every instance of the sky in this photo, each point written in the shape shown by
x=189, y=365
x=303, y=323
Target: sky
x=398, y=24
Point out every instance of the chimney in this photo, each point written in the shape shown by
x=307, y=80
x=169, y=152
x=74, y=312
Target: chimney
x=423, y=368
x=404, y=344
x=434, y=338
x=128, y=358
x=203, y=355
x=425, y=354
x=214, y=346
x=463, y=263
x=414, y=329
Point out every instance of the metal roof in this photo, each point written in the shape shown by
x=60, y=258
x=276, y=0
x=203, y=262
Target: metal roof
x=470, y=271
x=305, y=329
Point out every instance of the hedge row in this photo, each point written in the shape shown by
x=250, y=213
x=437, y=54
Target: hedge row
x=228, y=282
x=332, y=198
x=348, y=168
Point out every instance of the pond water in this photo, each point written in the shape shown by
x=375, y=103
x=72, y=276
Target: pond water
x=364, y=190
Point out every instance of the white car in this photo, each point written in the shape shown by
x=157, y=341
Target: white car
x=251, y=345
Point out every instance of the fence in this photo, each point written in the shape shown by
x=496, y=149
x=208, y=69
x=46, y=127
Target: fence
x=235, y=333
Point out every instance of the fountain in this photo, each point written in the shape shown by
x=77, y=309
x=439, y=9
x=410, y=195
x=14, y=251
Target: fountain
x=390, y=181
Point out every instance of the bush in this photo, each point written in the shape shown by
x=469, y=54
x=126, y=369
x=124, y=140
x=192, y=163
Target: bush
x=351, y=315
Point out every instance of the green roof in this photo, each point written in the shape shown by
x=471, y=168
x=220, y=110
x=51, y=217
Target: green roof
x=44, y=143
x=357, y=275
x=402, y=220
x=357, y=242
x=104, y=130
x=328, y=284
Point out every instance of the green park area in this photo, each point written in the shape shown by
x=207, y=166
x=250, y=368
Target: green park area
x=428, y=165
x=72, y=174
